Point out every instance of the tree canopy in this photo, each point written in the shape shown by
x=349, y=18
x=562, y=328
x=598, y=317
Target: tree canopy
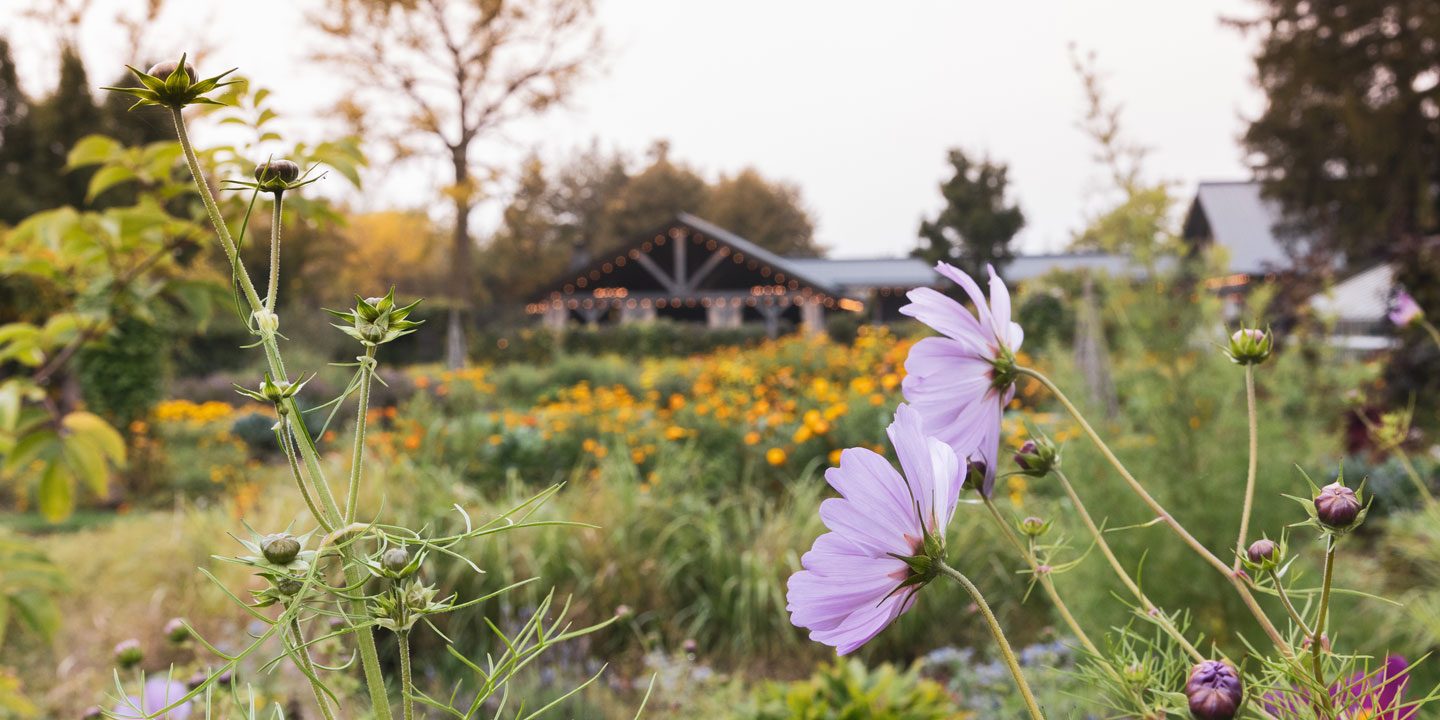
x=978, y=221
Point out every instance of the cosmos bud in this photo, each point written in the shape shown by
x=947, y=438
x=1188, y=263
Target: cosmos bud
x=1037, y=458
x=1250, y=346
x=164, y=70
x=1263, y=555
x=276, y=176
x=128, y=654
x=176, y=631
x=1337, y=507
x=280, y=548
x=975, y=475
x=1214, y=691
x=288, y=586
x=1034, y=527
x=395, y=559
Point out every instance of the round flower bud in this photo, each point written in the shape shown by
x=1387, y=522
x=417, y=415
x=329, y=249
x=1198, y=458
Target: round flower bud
x=1214, y=691
x=176, y=631
x=1034, y=527
x=1263, y=554
x=371, y=331
x=288, y=586
x=624, y=611
x=163, y=70
x=283, y=170
x=280, y=548
x=1037, y=459
x=395, y=559
x=1337, y=507
x=975, y=475
x=128, y=654
x=1250, y=346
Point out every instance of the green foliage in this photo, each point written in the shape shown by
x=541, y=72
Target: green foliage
x=123, y=375
x=978, y=221
x=846, y=689
x=638, y=340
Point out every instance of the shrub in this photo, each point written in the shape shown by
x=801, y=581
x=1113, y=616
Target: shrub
x=847, y=689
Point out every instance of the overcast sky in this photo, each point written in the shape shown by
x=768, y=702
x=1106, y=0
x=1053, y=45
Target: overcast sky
x=855, y=102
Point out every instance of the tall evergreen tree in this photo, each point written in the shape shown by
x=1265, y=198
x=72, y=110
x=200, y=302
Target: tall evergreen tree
x=1349, y=141
x=68, y=114
x=16, y=142
x=978, y=221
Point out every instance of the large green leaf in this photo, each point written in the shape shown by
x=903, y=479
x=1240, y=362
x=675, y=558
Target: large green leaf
x=56, y=495
x=40, y=444
x=108, y=177
x=92, y=150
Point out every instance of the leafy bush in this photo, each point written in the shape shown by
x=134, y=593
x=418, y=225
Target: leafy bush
x=124, y=376
x=847, y=689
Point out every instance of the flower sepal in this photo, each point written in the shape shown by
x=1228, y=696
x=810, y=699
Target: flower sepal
x=1037, y=457
x=1335, y=510
x=173, y=85
x=1250, y=346
x=376, y=321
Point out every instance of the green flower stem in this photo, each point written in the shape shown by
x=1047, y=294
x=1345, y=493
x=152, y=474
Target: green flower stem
x=303, y=653
x=1289, y=606
x=365, y=637
x=1000, y=640
x=407, y=685
x=1434, y=333
x=1318, y=633
x=1046, y=581
x=1251, y=468
x=279, y=205
x=1414, y=475
x=285, y=439
x=1233, y=577
x=357, y=461
x=1150, y=608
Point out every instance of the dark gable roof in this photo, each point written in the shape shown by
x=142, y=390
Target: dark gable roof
x=778, y=262
x=1237, y=216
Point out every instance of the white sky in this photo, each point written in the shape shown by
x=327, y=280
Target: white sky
x=856, y=102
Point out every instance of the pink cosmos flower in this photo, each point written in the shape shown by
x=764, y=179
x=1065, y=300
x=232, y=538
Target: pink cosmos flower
x=885, y=532
x=961, y=382
x=1406, y=310
x=1372, y=696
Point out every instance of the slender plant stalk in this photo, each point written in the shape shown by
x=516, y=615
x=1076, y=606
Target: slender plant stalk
x=1318, y=632
x=1124, y=575
x=1250, y=469
x=1046, y=581
x=1434, y=333
x=1004, y=645
x=285, y=439
x=1414, y=475
x=357, y=461
x=303, y=653
x=365, y=637
x=279, y=206
x=1289, y=606
x=1233, y=577
x=407, y=685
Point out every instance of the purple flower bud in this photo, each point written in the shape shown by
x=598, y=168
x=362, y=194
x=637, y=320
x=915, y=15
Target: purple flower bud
x=1037, y=458
x=1262, y=550
x=176, y=631
x=1250, y=346
x=1214, y=691
x=1337, y=506
x=276, y=175
x=1034, y=527
x=128, y=653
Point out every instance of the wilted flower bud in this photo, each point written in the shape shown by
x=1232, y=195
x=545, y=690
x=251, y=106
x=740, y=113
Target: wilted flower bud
x=1034, y=527
x=1037, y=457
x=395, y=559
x=1250, y=346
x=1214, y=691
x=128, y=654
x=176, y=631
x=280, y=548
x=1263, y=554
x=1337, y=507
x=975, y=475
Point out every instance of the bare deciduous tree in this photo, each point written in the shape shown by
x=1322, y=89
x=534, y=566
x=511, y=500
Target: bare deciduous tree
x=431, y=77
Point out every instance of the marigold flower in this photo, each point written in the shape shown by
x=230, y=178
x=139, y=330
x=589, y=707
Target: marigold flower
x=775, y=456
x=961, y=382
x=886, y=537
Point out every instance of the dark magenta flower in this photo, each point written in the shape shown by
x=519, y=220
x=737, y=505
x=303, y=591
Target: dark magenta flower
x=1369, y=696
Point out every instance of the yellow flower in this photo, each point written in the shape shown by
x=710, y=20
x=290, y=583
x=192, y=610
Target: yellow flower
x=890, y=381
x=496, y=439
x=589, y=445
x=835, y=456
x=752, y=438
x=675, y=432
x=801, y=435
x=775, y=456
